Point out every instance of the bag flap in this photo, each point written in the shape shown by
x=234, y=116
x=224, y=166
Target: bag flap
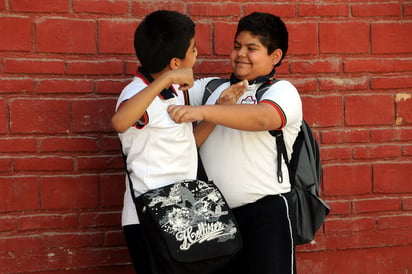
x=194, y=220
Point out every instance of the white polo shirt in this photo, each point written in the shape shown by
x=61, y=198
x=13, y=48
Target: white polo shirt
x=243, y=163
x=159, y=151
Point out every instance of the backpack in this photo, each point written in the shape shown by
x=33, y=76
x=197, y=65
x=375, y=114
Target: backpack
x=307, y=210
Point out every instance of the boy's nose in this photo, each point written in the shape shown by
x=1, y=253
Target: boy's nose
x=242, y=52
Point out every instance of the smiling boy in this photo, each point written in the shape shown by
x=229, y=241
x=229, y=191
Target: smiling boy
x=240, y=155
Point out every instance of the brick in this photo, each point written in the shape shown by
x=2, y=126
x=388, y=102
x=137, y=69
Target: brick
x=396, y=221
x=388, y=135
x=333, y=37
x=43, y=164
x=303, y=38
x=4, y=117
x=99, y=162
x=203, y=37
x=102, y=6
x=391, y=82
x=5, y=165
x=323, y=111
x=131, y=67
x=376, y=9
x=218, y=67
x=47, y=221
x=349, y=224
x=281, y=10
x=52, y=35
x=106, y=219
x=347, y=179
x=40, y=6
x=376, y=205
x=303, y=85
x=92, y=115
x=377, y=65
x=333, y=10
x=223, y=37
x=376, y=151
x=391, y=37
x=110, y=86
x=112, y=188
x=66, y=240
x=39, y=116
x=114, y=238
x=407, y=203
x=75, y=260
x=407, y=150
x=17, y=145
x=65, y=86
x=362, y=110
x=16, y=34
x=16, y=85
x=95, y=68
x=351, y=83
x=33, y=66
x=121, y=31
x=340, y=207
x=7, y=223
x=316, y=66
x=392, y=177
x=144, y=7
x=336, y=153
x=403, y=108
x=69, y=144
x=110, y=143
x=407, y=9
x=12, y=189
x=382, y=259
x=215, y=9
x=345, y=136
x=69, y=192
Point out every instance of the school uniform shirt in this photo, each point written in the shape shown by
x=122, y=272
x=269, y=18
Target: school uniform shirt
x=159, y=151
x=243, y=164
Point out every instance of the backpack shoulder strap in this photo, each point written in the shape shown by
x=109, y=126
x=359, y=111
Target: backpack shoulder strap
x=263, y=88
x=211, y=87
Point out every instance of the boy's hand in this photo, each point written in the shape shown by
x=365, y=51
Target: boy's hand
x=232, y=93
x=183, y=114
x=182, y=76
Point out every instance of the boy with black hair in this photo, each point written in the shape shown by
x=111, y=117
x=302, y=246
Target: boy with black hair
x=158, y=151
x=240, y=155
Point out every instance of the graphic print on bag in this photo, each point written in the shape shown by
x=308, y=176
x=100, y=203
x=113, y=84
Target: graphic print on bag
x=192, y=212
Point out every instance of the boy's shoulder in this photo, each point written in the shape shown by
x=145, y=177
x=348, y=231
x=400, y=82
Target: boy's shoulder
x=132, y=88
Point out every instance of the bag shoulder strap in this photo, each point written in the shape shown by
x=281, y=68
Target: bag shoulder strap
x=211, y=87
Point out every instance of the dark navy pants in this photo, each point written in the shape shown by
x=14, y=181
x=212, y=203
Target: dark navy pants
x=267, y=238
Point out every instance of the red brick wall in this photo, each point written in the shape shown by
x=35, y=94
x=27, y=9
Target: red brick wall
x=64, y=62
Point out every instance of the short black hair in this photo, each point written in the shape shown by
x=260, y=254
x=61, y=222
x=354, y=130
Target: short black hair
x=161, y=36
x=269, y=28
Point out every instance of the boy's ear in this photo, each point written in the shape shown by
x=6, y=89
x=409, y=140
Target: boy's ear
x=276, y=56
x=175, y=63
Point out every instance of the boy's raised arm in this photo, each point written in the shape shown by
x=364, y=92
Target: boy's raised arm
x=133, y=109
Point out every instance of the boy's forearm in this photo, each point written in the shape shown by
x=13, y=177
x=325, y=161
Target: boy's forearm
x=243, y=117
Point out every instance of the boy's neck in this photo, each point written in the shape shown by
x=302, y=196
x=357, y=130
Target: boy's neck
x=259, y=79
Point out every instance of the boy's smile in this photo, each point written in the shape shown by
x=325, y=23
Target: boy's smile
x=250, y=58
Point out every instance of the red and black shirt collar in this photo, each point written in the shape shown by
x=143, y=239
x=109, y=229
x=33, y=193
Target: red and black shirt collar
x=147, y=78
